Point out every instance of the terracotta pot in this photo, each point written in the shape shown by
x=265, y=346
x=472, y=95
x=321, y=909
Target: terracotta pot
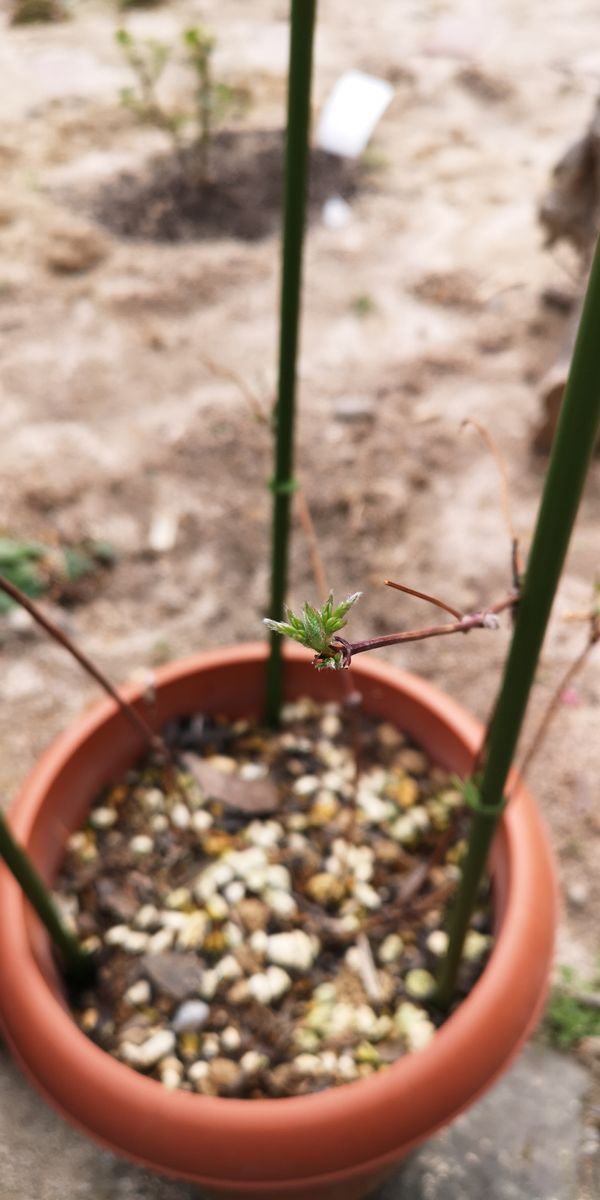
x=338, y=1144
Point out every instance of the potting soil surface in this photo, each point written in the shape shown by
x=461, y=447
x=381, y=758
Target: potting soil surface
x=262, y=924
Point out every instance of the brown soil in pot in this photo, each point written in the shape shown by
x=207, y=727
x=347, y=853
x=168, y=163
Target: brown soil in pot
x=268, y=928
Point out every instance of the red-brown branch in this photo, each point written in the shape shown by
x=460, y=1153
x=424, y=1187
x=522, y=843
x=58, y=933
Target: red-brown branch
x=480, y=620
x=401, y=587
x=152, y=739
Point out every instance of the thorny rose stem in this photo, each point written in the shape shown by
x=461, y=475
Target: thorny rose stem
x=294, y=208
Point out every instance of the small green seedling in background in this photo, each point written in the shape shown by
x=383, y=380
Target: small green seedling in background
x=148, y=60
x=572, y=1012
x=19, y=561
x=37, y=569
x=363, y=305
x=316, y=627
x=191, y=128
x=567, y=1021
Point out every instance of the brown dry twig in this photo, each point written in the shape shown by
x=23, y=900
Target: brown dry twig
x=567, y=679
x=401, y=587
x=312, y=541
x=254, y=401
x=141, y=726
x=498, y=458
x=486, y=619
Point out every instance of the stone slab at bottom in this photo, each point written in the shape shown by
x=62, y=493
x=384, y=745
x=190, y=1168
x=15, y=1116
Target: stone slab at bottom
x=520, y=1142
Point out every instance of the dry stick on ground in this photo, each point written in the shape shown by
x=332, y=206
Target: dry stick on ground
x=310, y=534
x=498, y=458
x=254, y=401
x=500, y=461
x=152, y=739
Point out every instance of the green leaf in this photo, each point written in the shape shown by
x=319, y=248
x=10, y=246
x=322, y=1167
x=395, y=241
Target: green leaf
x=12, y=551
x=315, y=628
x=76, y=563
x=346, y=605
x=294, y=620
x=26, y=576
x=285, y=630
x=568, y=1020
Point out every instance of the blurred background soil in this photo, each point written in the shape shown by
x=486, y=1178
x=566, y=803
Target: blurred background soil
x=130, y=366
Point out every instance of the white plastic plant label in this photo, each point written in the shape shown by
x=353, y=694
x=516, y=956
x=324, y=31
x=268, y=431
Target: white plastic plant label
x=351, y=113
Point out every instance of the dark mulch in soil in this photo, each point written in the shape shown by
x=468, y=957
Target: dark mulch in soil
x=163, y=202
x=268, y=928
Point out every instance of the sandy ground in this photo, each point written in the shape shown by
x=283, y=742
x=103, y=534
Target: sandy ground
x=113, y=416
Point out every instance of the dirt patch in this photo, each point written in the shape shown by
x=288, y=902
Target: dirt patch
x=163, y=201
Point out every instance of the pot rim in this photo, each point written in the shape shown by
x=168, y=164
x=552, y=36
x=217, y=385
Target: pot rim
x=335, y=1108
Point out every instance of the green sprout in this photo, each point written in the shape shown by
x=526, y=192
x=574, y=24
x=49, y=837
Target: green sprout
x=192, y=127
x=37, y=568
x=315, y=628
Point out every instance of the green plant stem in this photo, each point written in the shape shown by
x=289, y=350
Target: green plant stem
x=77, y=961
x=572, y=450
x=302, y=28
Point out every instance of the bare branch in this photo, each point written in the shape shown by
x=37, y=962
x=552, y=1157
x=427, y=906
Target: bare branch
x=498, y=458
x=152, y=739
x=401, y=587
x=552, y=707
x=310, y=533
x=254, y=401
x=487, y=619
